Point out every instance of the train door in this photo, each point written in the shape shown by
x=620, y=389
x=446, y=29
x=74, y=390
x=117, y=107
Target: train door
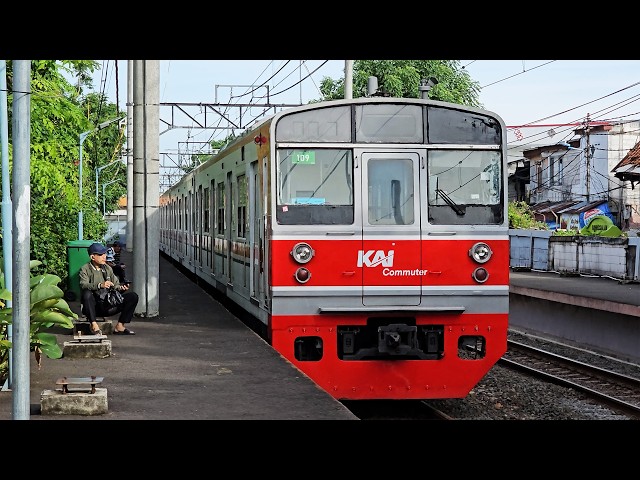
x=256, y=233
x=188, y=228
x=208, y=226
x=178, y=232
x=228, y=230
x=390, y=257
x=219, y=247
x=197, y=254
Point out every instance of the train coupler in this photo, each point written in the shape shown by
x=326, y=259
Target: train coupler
x=397, y=339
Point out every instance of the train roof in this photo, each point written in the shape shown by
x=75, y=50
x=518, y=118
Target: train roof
x=344, y=101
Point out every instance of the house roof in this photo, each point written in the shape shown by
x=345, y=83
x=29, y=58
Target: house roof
x=569, y=207
x=629, y=167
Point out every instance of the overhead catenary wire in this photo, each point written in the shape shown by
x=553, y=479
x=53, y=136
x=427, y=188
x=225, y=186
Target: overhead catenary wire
x=281, y=69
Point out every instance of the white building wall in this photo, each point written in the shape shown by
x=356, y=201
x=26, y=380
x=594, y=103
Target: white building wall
x=116, y=226
x=622, y=139
x=602, y=259
x=563, y=257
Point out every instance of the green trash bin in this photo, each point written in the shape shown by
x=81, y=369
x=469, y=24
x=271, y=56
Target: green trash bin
x=77, y=255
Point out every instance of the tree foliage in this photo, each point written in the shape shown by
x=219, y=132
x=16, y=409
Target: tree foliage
x=401, y=78
x=60, y=112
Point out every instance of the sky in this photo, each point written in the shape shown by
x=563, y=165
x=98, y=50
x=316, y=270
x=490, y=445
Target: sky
x=545, y=93
x=557, y=91
x=221, y=81
x=543, y=101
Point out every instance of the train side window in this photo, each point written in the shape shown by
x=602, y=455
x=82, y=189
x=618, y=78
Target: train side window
x=220, y=206
x=243, y=200
x=315, y=186
x=205, y=204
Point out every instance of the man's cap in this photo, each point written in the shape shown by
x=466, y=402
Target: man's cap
x=117, y=244
x=97, y=248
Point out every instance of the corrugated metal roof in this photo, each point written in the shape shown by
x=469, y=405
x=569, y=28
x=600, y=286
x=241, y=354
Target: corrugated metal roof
x=548, y=207
x=565, y=207
x=629, y=167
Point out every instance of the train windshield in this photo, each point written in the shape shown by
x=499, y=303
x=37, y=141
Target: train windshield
x=315, y=186
x=465, y=187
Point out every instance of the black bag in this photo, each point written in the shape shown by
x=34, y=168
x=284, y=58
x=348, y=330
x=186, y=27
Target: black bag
x=109, y=297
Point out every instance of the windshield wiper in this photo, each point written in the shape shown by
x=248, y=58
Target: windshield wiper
x=459, y=209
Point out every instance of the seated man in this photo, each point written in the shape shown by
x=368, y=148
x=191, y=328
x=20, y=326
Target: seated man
x=96, y=274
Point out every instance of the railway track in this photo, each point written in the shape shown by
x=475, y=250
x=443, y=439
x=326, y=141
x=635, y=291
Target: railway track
x=617, y=391
x=395, y=410
x=606, y=382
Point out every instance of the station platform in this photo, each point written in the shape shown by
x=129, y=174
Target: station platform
x=597, y=313
x=593, y=292
x=194, y=361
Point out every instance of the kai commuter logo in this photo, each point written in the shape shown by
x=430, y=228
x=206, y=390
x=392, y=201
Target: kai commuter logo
x=380, y=258
x=373, y=258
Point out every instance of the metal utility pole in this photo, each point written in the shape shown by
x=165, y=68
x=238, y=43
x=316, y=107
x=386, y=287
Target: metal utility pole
x=129, y=230
x=7, y=221
x=348, y=79
x=146, y=197
x=587, y=153
x=21, y=293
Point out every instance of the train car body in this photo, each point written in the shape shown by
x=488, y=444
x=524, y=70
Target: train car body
x=369, y=236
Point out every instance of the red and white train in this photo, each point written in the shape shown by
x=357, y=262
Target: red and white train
x=369, y=236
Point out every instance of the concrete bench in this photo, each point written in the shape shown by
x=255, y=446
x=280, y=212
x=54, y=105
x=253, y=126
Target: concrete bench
x=87, y=346
x=76, y=396
x=82, y=383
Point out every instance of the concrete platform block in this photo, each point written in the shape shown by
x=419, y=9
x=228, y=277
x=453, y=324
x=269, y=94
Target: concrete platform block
x=86, y=349
x=54, y=402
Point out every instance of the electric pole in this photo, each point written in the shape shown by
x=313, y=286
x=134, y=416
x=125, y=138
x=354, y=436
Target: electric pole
x=587, y=152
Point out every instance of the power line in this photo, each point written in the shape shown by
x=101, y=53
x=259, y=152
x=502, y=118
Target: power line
x=519, y=73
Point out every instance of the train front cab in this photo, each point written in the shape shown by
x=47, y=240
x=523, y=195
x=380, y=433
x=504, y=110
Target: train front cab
x=398, y=286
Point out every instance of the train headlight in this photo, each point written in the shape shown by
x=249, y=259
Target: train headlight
x=302, y=252
x=480, y=252
x=302, y=275
x=480, y=275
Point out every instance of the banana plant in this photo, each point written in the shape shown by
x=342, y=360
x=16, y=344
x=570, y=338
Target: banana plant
x=47, y=309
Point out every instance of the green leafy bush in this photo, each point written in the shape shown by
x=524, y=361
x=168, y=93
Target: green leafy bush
x=566, y=233
x=47, y=309
x=521, y=216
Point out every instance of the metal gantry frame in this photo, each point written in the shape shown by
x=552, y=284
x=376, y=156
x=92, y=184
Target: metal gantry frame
x=209, y=116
